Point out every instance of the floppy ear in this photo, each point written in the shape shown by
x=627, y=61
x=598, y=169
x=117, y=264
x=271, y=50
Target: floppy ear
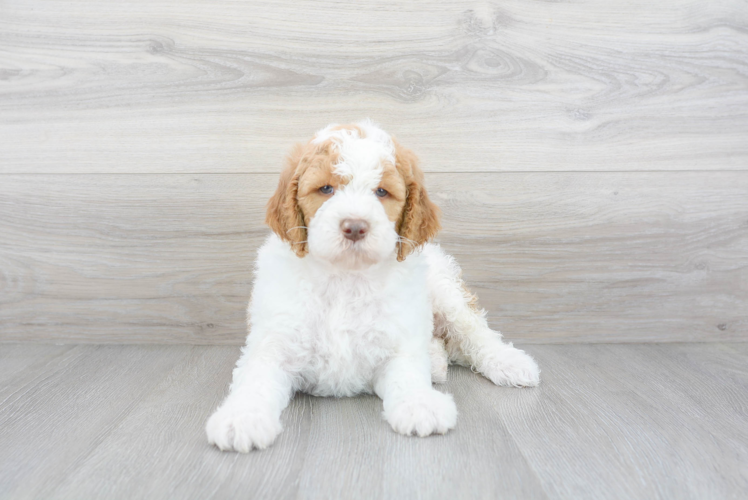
x=420, y=219
x=284, y=215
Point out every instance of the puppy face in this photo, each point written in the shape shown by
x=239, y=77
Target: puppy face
x=352, y=196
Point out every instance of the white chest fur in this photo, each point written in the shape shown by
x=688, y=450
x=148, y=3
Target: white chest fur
x=347, y=335
x=338, y=328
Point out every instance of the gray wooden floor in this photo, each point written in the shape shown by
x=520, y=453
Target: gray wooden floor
x=608, y=421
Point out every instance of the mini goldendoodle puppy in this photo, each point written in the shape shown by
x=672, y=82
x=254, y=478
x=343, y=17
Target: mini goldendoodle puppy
x=349, y=297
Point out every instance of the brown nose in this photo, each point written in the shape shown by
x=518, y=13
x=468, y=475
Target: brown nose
x=354, y=229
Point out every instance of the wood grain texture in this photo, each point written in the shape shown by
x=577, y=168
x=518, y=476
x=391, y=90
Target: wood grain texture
x=604, y=257
x=352, y=453
x=668, y=421
x=198, y=87
x=608, y=421
x=17, y=361
x=177, y=462
x=51, y=423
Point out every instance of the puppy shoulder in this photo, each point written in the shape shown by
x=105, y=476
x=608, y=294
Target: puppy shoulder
x=432, y=251
x=439, y=261
x=275, y=255
x=278, y=270
x=275, y=289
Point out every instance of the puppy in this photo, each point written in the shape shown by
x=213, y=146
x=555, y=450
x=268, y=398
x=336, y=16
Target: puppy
x=349, y=297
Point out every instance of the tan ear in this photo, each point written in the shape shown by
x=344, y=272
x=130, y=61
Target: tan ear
x=284, y=216
x=420, y=219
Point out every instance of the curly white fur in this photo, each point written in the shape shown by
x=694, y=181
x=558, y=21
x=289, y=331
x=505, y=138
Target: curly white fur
x=349, y=319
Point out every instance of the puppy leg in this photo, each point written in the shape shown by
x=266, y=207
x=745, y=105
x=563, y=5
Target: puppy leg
x=439, y=360
x=249, y=417
x=411, y=405
x=469, y=340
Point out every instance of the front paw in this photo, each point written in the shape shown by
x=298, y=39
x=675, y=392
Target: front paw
x=508, y=366
x=422, y=413
x=233, y=427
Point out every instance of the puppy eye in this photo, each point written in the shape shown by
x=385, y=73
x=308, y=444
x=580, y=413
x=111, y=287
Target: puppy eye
x=328, y=189
x=381, y=192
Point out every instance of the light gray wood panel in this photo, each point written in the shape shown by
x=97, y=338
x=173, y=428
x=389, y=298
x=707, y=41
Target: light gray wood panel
x=50, y=427
x=102, y=257
x=634, y=421
x=608, y=421
x=18, y=360
x=176, y=461
x=165, y=86
x=31, y=367
x=353, y=453
x=604, y=257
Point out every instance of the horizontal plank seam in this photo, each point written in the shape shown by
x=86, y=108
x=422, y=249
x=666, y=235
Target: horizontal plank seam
x=429, y=172
x=241, y=342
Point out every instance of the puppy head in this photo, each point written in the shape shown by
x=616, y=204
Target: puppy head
x=352, y=196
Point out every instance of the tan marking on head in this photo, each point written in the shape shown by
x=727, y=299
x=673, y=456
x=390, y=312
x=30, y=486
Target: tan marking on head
x=297, y=198
x=394, y=183
x=319, y=172
x=419, y=221
x=351, y=127
x=283, y=212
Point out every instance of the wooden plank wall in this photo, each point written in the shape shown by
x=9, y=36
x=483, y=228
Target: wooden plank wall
x=590, y=157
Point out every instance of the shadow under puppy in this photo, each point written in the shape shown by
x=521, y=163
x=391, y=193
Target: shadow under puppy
x=349, y=297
